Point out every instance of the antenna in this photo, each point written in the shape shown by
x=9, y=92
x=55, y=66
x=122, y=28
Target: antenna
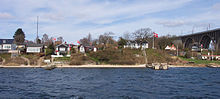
x=209, y=26
x=37, y=31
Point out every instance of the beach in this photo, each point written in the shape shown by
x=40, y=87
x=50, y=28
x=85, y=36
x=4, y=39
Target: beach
x=96, y=66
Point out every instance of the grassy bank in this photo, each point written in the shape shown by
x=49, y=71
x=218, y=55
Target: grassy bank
x=32, y=58
x=196, y=61
x=130, y=56
x=15, y=61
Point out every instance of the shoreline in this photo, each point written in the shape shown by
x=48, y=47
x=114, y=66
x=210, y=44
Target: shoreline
x=96, y=66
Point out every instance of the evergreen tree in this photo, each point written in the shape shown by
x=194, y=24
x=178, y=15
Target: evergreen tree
x=122, y=42
x=19, y=36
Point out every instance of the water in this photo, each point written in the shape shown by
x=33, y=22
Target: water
x=139, y=83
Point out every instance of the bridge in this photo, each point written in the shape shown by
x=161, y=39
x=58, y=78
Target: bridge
x=204, y=38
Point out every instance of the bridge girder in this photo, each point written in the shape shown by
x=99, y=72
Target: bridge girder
x=202, y=38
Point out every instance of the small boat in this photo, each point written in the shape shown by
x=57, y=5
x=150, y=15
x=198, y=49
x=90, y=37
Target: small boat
x=50, y=67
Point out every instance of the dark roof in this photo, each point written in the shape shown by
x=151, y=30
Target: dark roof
x=7, y=41
x=35, y=45
x=62, y=45
x=66, y=45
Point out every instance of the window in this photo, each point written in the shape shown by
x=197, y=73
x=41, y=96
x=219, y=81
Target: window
x=33, y=49
x=62, y=49
x=6, y=46
x=4, y=41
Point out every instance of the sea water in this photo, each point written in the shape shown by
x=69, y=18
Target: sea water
x=110, y=83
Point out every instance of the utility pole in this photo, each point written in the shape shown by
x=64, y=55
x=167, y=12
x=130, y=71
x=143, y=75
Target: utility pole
x=177, y=53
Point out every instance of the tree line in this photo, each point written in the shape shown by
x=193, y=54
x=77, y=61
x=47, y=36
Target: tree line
x=140, y=35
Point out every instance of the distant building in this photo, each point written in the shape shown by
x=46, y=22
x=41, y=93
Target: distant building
x=136, y=45
x=35, y=48
x=7, y=45
x=173, y=48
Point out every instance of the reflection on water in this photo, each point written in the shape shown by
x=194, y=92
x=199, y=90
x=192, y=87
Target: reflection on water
x=139, y=83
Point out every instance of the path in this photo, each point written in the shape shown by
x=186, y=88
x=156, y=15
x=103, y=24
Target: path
x=39, y=61
x=3, y=60
x=26, y=59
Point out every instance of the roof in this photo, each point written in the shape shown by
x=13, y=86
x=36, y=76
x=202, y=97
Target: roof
x=7, y=41
x=66, y=45
x=35, y=45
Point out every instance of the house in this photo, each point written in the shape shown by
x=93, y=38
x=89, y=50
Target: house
x=168, y=48
x=136, y=45
x=34, y=48
x=7, y=45
x=63, y=49
x=90, y=48
x=84, y=49
x=172, y=48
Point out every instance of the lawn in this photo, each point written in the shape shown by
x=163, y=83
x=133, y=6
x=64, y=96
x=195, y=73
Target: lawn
x=196, y=61
x=62, y=59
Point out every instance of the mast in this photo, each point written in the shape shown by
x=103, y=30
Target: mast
x=37, y=31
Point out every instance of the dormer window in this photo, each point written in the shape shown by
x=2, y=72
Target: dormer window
x=4, y=41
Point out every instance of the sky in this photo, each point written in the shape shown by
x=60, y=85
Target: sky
x=75, y=19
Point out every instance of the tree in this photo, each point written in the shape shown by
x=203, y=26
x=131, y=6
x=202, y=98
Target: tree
x=89, y=37
x=50, y=49
x=60, y=39
x=122, y=42
x=127, y=36
x=86, y=41
x=163, y=41
x=142, y=34
x=19, y=36
x=39, y=41
x=45, y=38
x=106, y=38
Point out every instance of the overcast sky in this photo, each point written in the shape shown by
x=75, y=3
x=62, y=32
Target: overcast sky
x=74, y=19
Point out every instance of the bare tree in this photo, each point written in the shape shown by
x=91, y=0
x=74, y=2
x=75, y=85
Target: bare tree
x=60, y=39
x=89, y=37
x=45, y=38
x=86, y=41
x=106, y=38
x=142, y=34
x=127, y=36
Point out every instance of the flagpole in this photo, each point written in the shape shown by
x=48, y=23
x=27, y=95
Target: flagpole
x=153, y=42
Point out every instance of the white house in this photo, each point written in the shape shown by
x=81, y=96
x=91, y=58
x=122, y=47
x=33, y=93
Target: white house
x=7, y=45
x=136, y=45
x=82, y=49
x=35, y=48
x=63, y=49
